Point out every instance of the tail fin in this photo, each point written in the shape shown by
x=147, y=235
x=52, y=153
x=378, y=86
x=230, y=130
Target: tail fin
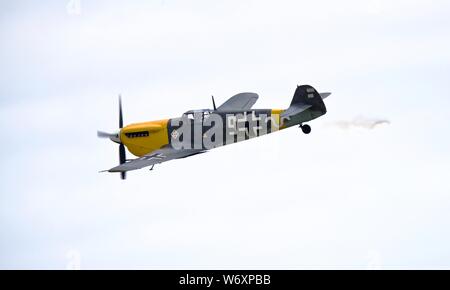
x=307, y=95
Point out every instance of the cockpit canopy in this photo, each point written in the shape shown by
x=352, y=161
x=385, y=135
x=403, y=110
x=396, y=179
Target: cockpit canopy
x=191, y=114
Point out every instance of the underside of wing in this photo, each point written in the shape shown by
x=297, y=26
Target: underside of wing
x=156, y=157
x=242, y=101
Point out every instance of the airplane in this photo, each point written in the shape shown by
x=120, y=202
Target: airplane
x=198, y=131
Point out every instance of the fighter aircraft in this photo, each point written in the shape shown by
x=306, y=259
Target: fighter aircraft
x=198, y=131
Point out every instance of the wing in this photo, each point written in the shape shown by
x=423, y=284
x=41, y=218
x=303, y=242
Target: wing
x=242, y=101
x=155, y=157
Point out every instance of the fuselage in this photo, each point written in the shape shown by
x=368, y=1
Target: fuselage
x=208, y=129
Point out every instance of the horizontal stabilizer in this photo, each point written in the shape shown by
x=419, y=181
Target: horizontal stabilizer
x=294, y=110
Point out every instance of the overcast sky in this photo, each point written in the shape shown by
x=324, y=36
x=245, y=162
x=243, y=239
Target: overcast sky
x=343, y=196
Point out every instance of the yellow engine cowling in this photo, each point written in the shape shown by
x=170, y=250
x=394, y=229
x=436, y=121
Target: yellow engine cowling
x=143, y=138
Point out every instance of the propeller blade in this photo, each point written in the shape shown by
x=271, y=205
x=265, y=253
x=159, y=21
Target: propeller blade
x=123, y=175
x=102, y=134
x=120, y=113
x=122, y=159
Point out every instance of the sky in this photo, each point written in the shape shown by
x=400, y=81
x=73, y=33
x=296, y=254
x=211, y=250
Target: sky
x=345, y=196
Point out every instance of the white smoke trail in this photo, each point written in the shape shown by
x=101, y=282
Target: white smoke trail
x=360, y=122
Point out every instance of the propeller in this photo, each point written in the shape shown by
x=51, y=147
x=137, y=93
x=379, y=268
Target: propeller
x=115, y=137
x=101, y=134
